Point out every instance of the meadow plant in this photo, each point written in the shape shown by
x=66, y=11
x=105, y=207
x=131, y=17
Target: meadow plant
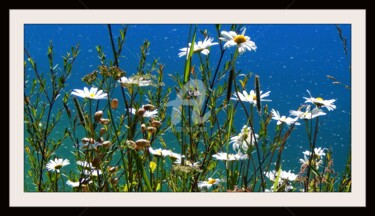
x=116, y=137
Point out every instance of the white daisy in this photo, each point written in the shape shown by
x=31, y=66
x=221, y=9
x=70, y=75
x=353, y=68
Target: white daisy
x=307, y=114
x=89, y=146
x=126, y=82
x=85, y=165
x=93, y=93
x=320, y=102
x=230, y=157
x=243, y=140
x=57, y=164
x=93, y=172
x=201, y=47
x=317, y=151
x=288, y=188
x=187, y=162
x=147, y=114
x=76, y=184
x=159, y=152
x=318, y=156
x=241, y=41
x=174, y=155
x=283, y=175
x=250, y=97
x=208, y=184
x=282, y=119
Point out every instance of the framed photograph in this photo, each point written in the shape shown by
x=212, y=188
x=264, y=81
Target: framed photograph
x=187, y=108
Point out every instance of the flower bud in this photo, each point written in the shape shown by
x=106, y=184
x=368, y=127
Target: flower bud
x=130, y=143
x=96, y=162
x=156, y=123
x=151, y=129
x=114, y=103
x=98, y=115
x=102, y=131
x=140, y=112
x=85, y=140
x=106, y=144
x=149, y=107
x=104, y=121
x=142, y=142
x=143, y=127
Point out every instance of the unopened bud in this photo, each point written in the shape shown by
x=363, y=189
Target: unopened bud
x=96, y=162
x=143, y=127
x=142, y=142
x=112, y=169
x=98, y=115
x=149, y=107
x=140, y=112
x=85, y=140
x=114, y=103
x=130, y=143
x=114, y=181
x=151, y=129
x=106, y=144
x=102, y=131
x=104, y=121
x=156, y=123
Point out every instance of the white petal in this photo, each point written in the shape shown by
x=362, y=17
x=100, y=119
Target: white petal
x=205, y=52
x=232, y=34
x=227, y=36
x=244, y=31
x=86, y=90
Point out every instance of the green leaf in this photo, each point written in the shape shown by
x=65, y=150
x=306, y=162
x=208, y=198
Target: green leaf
x=158, y=187
x=276, y=184
x=188, y=60
x=143, y=171
x=80, y=113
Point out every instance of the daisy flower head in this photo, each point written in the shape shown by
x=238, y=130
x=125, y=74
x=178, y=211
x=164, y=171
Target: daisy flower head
x=284, y=176
x=243, y=140
x=128, y=82
x=93, y=172
x=230, y=157
x=57, y=164
x=317, y=159
x=208, y=184
x=320, y=102
x=250, y=97
x=307, y=114
x=201, y=47
x=93, y=93
x=283, y=119
x=85, y=165
x=82, y=182
x=159, y=152
x=145, y=113
x=242, y=42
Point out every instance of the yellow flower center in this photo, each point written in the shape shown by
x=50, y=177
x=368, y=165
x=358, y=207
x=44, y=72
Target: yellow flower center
x=318, y=101
x=254, y=97
x=92, y=95
x=211, y=181
x=58, y=166
x=239, y=39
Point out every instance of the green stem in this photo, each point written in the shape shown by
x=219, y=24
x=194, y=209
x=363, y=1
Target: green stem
x=312, y=154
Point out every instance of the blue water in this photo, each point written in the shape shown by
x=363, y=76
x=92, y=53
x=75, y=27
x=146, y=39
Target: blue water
x=290, y=59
